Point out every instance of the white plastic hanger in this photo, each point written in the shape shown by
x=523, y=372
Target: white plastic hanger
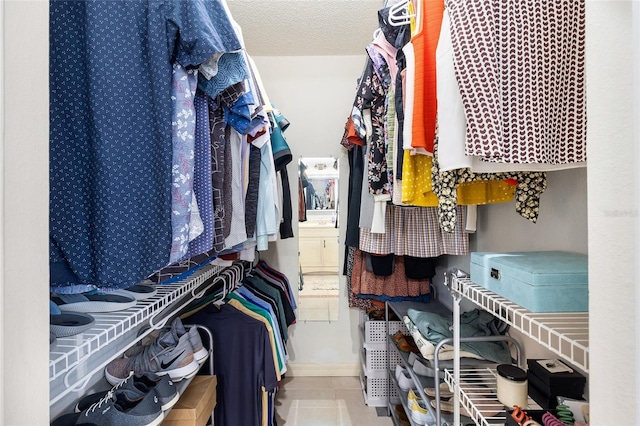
x=399, y=14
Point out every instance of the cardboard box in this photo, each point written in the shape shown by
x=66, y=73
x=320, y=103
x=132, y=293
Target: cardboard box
x=544, y=281
x=195, y=404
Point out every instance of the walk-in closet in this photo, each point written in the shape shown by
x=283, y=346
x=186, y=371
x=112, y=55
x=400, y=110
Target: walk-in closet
x=323, y=314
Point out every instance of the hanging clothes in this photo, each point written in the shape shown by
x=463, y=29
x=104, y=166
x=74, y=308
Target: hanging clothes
x=452, y=123
x=110, y=177
x=397, y=284
x=243, y=366
x=424, y=42
x=533, y=111
x=183, y=126
x=415, y=231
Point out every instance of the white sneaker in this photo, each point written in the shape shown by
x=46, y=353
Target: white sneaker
x=405, y=382
x=419, y=412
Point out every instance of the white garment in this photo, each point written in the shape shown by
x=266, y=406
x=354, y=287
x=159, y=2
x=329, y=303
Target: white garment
x=379, y=213
x=196, y=226
x=408, y=95
x=366, y=198
x=238, y=233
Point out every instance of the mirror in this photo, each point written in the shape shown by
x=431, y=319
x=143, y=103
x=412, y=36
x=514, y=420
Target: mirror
x=318, y=238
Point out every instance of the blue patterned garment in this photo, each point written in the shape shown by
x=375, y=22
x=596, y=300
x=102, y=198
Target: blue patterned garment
x=232, y=69
x=183, y=128
x=202, y=180
x=110, y=131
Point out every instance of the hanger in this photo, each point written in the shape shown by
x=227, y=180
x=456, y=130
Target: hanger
x=399, y=14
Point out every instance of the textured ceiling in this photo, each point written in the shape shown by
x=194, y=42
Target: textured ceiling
x=306, y=27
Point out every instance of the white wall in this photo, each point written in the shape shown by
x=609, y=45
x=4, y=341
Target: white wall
x=613, y=211
x=24, y=281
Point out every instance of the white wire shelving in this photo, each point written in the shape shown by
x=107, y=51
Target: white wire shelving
x=75, y=361
x=565, y=334
x=478, y=395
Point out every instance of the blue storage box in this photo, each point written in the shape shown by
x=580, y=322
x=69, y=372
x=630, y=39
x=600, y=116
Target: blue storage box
x=540, y=281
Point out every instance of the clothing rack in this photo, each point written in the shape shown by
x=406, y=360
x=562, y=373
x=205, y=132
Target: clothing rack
x=76, y=361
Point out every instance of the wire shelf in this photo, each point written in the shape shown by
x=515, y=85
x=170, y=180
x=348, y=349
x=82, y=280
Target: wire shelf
x=565, y=334
x=479, y=395
x=76, y=359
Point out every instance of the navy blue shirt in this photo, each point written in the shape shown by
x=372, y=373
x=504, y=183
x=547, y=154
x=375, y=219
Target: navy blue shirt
x=110, y=131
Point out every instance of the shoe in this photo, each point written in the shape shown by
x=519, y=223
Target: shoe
x=407, y=344
x=418, y=367
x=163, y=386
x=93, y=301
x=445, y=392
x=164, y=356
x=199, y=351
x=402, y=415
x=68, y=323
x=177, y=330
x=448, y=407
x=419, y=412
x=123, y=407
x=137, y=291
x=405, y=382
x=421, y=369
x=396, y=338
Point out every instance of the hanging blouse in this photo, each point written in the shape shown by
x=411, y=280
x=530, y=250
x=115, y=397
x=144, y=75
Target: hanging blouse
x=424, y=47
x=528, y=188
x=371, y=95
x=520, y=68
x=452, y=123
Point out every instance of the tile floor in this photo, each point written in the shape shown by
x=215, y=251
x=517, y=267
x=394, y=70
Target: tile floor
x=319, y=299
x=325, y=401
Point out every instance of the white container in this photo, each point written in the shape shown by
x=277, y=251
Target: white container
x=512, y=386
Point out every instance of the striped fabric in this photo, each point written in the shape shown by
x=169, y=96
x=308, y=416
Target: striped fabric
x=415, y=231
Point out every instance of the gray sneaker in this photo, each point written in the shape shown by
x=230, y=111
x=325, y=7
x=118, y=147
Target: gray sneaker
x=164, y=356
x=178, y=330
x=122, y=407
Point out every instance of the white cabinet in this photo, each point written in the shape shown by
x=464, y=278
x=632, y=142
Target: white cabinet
x=318, y=249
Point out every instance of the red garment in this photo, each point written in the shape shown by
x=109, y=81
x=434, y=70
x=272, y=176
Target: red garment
x=424, y=43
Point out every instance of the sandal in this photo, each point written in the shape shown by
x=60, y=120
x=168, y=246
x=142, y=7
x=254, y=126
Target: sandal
x=445, y=393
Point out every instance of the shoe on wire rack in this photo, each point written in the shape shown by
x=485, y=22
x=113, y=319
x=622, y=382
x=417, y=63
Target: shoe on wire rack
x=123, y=407
x=137, y=291
x=92, y=301
x=146, y=382
x=177, y=330
x=164, y=356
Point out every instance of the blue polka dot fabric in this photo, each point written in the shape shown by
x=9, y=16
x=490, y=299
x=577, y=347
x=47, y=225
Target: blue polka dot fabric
x=110, y=131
